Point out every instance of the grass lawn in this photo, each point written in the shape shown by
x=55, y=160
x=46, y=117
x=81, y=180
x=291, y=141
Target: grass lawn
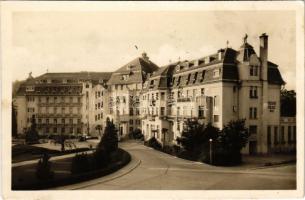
x=23, y=152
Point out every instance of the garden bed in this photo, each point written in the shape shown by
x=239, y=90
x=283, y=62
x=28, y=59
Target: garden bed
x=24, y=177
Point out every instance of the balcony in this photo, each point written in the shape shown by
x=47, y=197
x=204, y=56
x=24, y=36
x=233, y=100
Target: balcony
x=60, y=104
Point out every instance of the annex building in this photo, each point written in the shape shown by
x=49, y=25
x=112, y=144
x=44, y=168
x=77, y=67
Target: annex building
x=228, y=85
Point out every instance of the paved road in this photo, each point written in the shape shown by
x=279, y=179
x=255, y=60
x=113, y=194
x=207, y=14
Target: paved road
x=153, y=170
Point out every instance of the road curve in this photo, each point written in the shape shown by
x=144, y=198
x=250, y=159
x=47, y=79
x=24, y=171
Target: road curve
x=154, y=170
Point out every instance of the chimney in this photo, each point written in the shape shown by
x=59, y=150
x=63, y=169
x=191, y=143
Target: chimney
x=144, y=56
x=263, y=54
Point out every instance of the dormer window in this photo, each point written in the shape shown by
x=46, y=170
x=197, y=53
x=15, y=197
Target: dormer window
x=125, y=77
x=206, y=60
x=49, y=81
x=64, y=81
x=129, y=67
x=29, y=89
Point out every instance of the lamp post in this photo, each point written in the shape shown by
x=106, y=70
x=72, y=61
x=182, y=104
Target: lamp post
x=211, y=151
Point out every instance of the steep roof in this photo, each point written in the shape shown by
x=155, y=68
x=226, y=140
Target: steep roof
x=136, y=70
x=76, y=75
x=274, y=75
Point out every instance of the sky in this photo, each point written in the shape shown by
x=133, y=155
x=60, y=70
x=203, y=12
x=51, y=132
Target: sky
x=104, y=41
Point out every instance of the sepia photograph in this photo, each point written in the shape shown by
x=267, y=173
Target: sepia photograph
x=125, y=98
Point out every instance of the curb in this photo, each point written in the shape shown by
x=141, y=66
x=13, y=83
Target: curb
x=110, y=179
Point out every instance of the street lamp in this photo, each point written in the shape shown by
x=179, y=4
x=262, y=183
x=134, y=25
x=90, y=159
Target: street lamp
x=211, y=151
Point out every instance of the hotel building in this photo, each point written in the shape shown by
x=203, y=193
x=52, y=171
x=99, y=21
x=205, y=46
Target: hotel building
x=228, y=85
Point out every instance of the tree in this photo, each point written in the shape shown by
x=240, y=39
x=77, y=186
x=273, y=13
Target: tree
x=109, y=140
x=233, y=137
x=14, y=121
x=288, y=103
x=32, y=134
x=195, y=138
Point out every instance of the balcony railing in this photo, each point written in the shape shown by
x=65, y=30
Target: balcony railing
x=60, y=104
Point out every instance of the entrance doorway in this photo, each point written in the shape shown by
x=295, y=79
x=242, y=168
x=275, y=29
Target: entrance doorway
x=252, y=147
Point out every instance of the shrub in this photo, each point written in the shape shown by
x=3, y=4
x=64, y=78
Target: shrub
x=154, y=143
x=81, y=163
x=137, y=134
x=101, y=158
x=43, y=168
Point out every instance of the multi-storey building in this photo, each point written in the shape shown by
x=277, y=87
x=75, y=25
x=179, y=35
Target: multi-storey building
x=228, y=85
x=60, y=102
x=125, y=86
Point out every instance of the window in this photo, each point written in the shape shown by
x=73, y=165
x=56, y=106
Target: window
x=130, y=129
x=216, y=118
x=216, y=73
x=78, y=99
x=253, y=113
x=282, y=135
x=95, y=117
x=39, y=121
x=202, y=75
x=216, y=101
x=289, y=135
x=71, y=99
x=131, y=122
x=178, y=111
x=47, y=130
x=87, y=94
x=188, y=78
x=294, y=134
x=162, y=111
x=253, y=92
x=71, y=121
x=253, y=70
x=178, y=81
x=54, y=130
x=178, y=126
x=195, y=77
x=47, y=99
x=78, y=121
x=269, y=135
x=122, y=86
x=275, y=136
x=271, y=106
x=63, y=130
x=63, y=110
x=71, y=129
x=71, y=110
x=47, y=121
x=200, y=111
x=202, y=91
x=131, y=111
x=253, y=129
x=63, y=121
x=55, y=121
x=87, y=85
x=99, y=105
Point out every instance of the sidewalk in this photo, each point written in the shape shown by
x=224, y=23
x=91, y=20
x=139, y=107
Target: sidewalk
x=267, y=160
